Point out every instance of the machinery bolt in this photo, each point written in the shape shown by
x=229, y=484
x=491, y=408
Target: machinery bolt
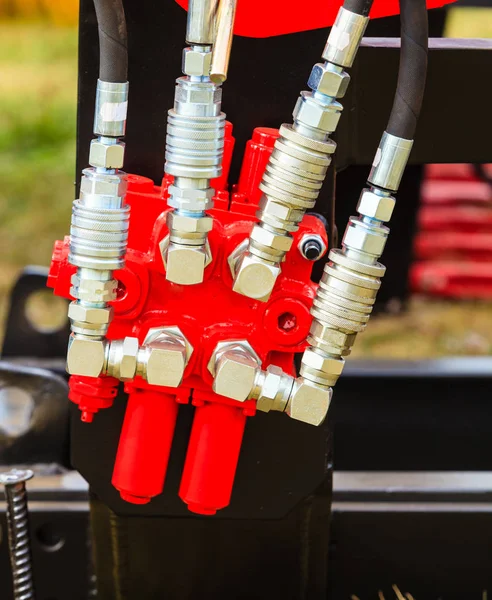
x=20, y=553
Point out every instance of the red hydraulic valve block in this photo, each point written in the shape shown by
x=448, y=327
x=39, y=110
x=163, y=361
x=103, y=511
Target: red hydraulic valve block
x=206, y=315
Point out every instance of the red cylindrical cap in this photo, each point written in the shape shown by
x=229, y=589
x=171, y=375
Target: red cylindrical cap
x=145, y=445
x=211, y=461
x=256, y=155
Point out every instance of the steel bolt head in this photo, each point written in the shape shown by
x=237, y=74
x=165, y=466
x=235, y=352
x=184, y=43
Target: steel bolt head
x=107, y=156
x=309, y=402
x=255, y=278
x=328, y=82
x=16, y=476
x=85, y=356
x=196, y=62
x=375, y=206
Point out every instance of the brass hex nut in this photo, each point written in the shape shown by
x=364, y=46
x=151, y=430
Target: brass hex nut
x=107, y=156
x=234, y=365
x=166, y=354
x=364, y=239
x=375, y=206
x=312, y=113
x=196, y=62
x=254, y=277
x=309, y=402
x=86, y=314
x=328, y=82
x=103, y=184
x=86, y=356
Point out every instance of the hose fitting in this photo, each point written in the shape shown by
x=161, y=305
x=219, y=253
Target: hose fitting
x=298, y=165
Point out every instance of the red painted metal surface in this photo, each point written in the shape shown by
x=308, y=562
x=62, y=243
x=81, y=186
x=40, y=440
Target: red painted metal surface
x=453, y=248
x=257, y=18
x=206, y=314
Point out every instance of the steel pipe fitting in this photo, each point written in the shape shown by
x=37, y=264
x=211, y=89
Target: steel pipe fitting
x=390, y=162
x=111, y=108
x=345, y=38
x=200, y=26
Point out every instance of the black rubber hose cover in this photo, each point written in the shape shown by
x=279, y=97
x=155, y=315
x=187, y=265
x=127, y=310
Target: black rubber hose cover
x=413, y=69
x=361, y=7
x=113, y=41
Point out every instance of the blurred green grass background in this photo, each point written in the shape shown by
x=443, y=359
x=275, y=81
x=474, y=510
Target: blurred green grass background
x=38, y=75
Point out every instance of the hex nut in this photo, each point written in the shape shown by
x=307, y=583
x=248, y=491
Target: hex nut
x=235, y=374
x=309, y=402
x=330, y=336
x=198, y=93
x=279, y=211
x=177, y=222
x=363, y=239
x=107, y=156
x=185, y=264
x=93, y=290
x=167, y=352
x=86, y=314
x=123, y=358
x=375, y=206
x=190, y=199
x=196, y=63
x=275, y=390
x=255, y=278
x=326, y=364
x=276, y=241
x=310, y=112
x=86, y=356
x=103, y=184
x=328, y=82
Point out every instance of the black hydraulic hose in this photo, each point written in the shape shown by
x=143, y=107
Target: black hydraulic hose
x=413, y=69
x=361, y=7
x=113, y=41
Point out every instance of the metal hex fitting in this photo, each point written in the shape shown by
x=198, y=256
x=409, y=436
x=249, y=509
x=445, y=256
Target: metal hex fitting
x=190, y=199
x=275, y=390
x=122, y=358
x=309, y=402
x=177, y=222
x=185, y=264
x=109, y=156
x=273, y=209
x=234, y=365
x=93, y=290
x=312, y=113
x=327, y=81
x=87, y=314
x=103, y=184
x=328, y=365
x=86, y=356
x=196, y=62
x=375, y=206
x=254, y=277
x=366, y=239
x=276, y=241
x=328, y=336
x=166, y=352
x=197, y=93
